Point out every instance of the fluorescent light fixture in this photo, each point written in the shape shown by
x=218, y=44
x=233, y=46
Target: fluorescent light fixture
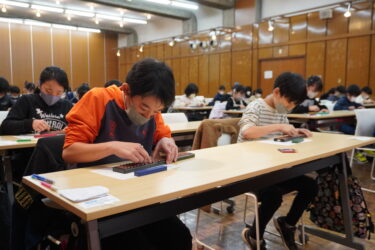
x=185, y=5
x=47, y=8
x=37, y=23
x=88, y=30
x=108, y=17
x=148, y=16
x=14, y=3
x=65, y=27
x=133, y=20
x=10, y=20
x=80, y=13
x=160, y=1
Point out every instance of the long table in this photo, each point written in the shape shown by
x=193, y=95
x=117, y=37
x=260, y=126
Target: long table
x=214, y=174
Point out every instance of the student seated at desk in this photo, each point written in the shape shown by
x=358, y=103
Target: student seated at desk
x=314, y=87
x=328, y=95
x=237, y=99
x=190, y=98
x=115, y=124
x=340, y=91
x=257, y=94
x=348, y=101
x=365, y=96
x=14, y=93
x=5, y=100
x=264, y=118
x=221, y=96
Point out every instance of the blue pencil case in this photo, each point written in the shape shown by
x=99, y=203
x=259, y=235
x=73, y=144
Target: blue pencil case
x=151, y=170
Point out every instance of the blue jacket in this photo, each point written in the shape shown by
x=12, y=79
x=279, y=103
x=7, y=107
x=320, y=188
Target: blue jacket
x=344, y=103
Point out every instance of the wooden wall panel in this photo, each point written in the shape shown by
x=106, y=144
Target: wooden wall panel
x=335, y=63
x=176, y=67
x=297, y=50
x=225, y=70
x=41, y=49
x=360, y=21
x=80, y=59
x=265, y=53
x=316, y=27
x=61, y=51
x=213, y=73
x=160, y=52
x=5, y=67
x=241, y=67
x=338, y=24
x=96, y=56
x=184, y=73
x=203, y=74
x=298, y=28
x=265, y=36
x=242, y=37
x=111, y=58
x=281, y=31
x=372, y=64
x=315, y=59
x=280, y=51
x=21, y=54
x=193, y=69
x=358, y=60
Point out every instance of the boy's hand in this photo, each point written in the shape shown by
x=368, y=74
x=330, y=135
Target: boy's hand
x=288, y=129
x=361, y=107
x=40, y=125
x=131, y=151
x=351, y=108
x=167, y=146
x=324, y=110
x=303, y=131
x=314, y=108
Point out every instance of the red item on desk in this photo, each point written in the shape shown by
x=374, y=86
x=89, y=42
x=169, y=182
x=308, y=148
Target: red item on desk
x=50, y=133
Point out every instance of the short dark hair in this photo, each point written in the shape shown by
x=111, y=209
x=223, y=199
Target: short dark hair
x=191, y=88
x=14, y=90
x=341, y=89
x=239, y=88
x=331, y=91
x=354, y=90
x=221, y=87
x=149, y=77
x=82, y=90
x=315, y=81
x=4, y=85
x=54, y=73
x=29, y=85
x=258, y=91
x=292, y=86
x=367, y=90
x=112, y=82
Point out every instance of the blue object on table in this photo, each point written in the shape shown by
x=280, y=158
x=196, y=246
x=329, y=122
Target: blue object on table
x=151, y=170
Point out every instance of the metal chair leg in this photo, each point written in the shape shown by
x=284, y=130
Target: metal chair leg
x=196, y=232
x=351, y=158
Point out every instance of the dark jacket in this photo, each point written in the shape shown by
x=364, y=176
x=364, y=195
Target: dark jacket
x=30, y=107
x=232, y=104
x=5, y=103
x=304, y=106
x=219, y=97
x=344, y=103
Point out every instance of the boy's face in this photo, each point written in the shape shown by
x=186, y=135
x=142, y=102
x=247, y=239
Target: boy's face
x=312, y=92
x=352, y=98
x=277, y=98
x=147, y=106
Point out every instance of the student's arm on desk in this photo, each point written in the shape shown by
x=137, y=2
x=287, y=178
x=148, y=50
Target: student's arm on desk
x=88, y=152
x=255, y=132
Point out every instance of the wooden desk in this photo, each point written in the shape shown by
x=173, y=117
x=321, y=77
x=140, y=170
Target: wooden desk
x=369, y=105
x=234, y=113
x=314, y=121
x=194, y=113
x=213, y=175
x=184, y=127
x=193, y=108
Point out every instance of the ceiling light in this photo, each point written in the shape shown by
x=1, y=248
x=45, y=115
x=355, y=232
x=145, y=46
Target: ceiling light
x=108, y=17
x=348, y=13
x=96, y=21
x=121, y=24
x=3, y=9
x=270, y=25
x=65, y=27
x=91, y=7
x=10, y=20
x=133, y=20
x=57, y=2
x=88, y=30
x=148, y=16
x=38, y=13
x=185, y=5
x=68, y=17
x=47, y=8
x=80, y=13
x=122, y=12
x=160, y=1
x=171, y=42
x=141, y=49
x=213, y=35
x=13, y=3
x=37, y=23
x=118, y=53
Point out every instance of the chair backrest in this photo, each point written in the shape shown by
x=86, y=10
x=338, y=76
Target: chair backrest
x=224, y=139
x=365, y=122
x=3, y=115
x=217, y=110
x=174, y=117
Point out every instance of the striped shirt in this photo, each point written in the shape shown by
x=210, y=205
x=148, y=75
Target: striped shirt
x=259, y=113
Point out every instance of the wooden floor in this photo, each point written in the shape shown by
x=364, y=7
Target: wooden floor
x=224, y=231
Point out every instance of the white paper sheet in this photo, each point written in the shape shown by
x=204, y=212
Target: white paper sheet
x=25, y=137
x=6, y=143
x=361, y=138
x=105, y=200
x=83, y=194
x=288, y=143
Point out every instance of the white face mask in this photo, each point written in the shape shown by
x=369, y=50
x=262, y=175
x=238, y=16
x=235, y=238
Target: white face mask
x=191, y=96
x=221, y=92
x=248, y=93
x=135, y=117
x=311, y=94
x=353, y=98
x=365, y=97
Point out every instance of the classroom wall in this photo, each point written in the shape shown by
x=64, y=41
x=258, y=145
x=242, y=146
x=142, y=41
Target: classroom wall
x=341, y=50
x=86, y=57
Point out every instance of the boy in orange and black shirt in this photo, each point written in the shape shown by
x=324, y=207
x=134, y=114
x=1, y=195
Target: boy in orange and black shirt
x=116, y=124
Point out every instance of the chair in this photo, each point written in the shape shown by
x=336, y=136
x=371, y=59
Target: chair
x=174, y=117
x=365, y=127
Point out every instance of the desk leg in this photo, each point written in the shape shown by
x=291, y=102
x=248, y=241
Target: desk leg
x=8, y=177
x=93, y=240
x=348, y=240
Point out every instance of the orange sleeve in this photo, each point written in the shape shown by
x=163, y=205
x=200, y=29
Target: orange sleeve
x=84, y=119
x=162, y=129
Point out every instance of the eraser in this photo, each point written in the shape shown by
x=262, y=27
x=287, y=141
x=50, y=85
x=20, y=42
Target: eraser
x=151, y=170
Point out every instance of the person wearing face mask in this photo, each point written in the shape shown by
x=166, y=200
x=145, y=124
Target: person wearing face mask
x=221, y=96
x=237, y=100
x=115, y=124
x=265, y=118
x=365, y=96
x=190, y=98
x=348, y=101
x=5, y=100
x=42, y=111
x=340, y=91
x=257, y=94
x=14, y=93
x=314, y=87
